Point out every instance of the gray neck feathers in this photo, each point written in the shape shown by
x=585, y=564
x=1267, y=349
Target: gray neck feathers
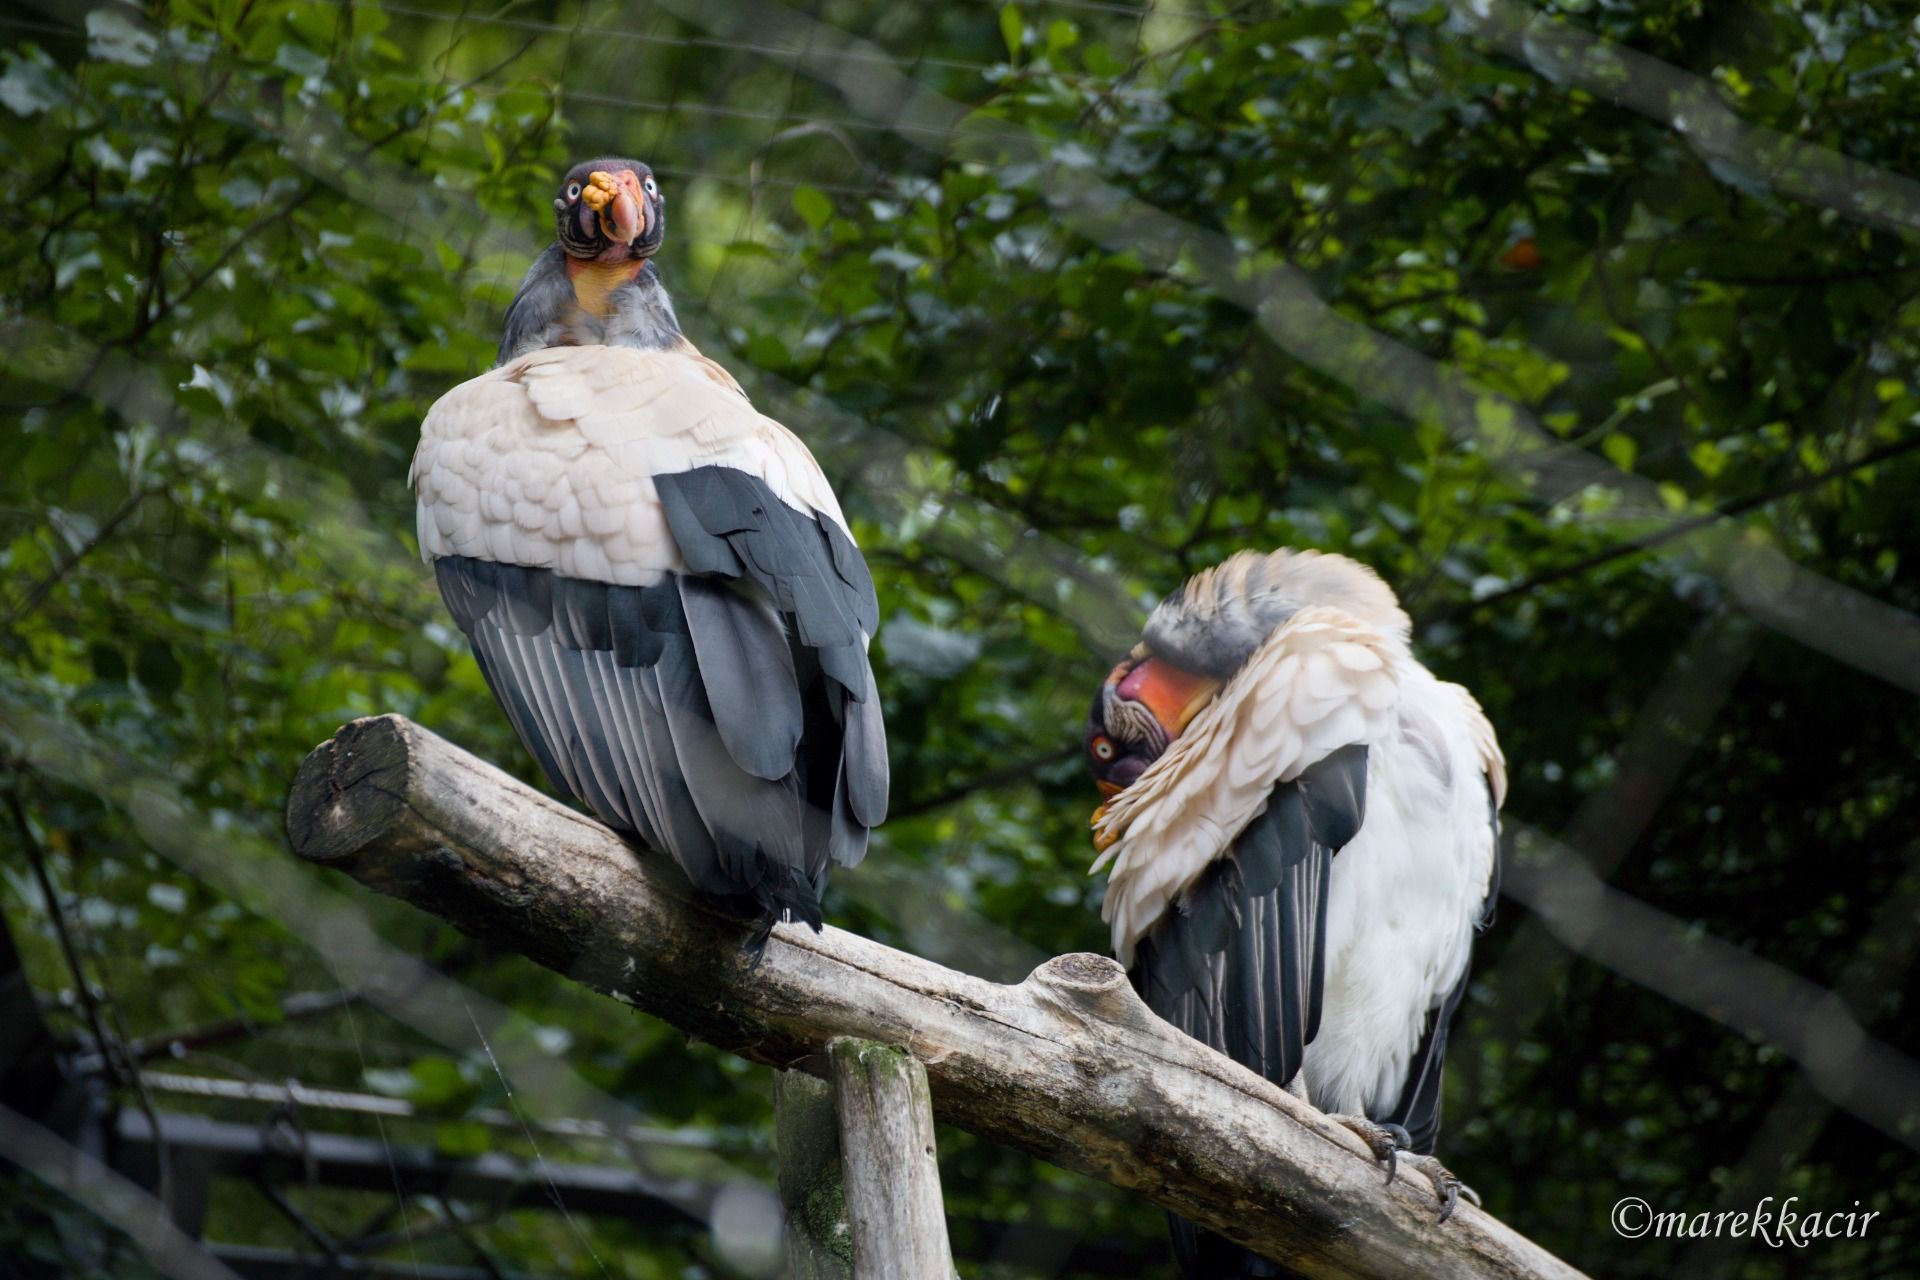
x=642, y=314
x=1221, y=615
x=545, y=314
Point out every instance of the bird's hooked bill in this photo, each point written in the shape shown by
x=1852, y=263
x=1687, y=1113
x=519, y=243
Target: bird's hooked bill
x=617, y=201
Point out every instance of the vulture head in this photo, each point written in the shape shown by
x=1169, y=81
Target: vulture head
x=1200, y=636
x=1141, y=707
x=610, y=210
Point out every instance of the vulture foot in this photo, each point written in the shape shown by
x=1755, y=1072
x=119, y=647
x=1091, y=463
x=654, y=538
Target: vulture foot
x=1446, y=1188
x=1389, y=1142
x=1385, y=1141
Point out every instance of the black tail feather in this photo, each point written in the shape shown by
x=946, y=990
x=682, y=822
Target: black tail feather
x=779, y=894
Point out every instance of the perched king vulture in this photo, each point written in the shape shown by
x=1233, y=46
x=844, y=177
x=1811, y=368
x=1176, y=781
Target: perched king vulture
x=656, y=579
x=1301, y=837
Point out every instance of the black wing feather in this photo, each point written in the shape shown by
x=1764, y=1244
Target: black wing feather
x=729, y=718
x=749, y=678
x=730, y=524
x=1241, y=965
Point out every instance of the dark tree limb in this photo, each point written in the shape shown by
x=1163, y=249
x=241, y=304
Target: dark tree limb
x=1068, y=1065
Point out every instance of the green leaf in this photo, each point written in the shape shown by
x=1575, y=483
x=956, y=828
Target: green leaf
x=31, y=84
x=1620, y=450
x=438, y=1083
x=1012, y=30
x=813, y=206
x=392, y=1081
x=1709, y=457
x=462, y=1138
x=114, y=36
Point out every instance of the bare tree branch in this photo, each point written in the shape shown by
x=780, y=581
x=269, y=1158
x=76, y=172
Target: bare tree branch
x=1068, y=1065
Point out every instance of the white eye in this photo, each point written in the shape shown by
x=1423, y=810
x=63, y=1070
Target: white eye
x=652, y=190
x=573, y=191
x=1103, y=750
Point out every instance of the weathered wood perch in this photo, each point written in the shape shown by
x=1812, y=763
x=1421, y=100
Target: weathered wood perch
x=1068, y=1065
x=892, y=1178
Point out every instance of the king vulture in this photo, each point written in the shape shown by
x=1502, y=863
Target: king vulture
x=656, y=579
x=1301, y=837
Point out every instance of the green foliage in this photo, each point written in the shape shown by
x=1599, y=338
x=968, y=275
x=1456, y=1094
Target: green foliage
x=248, y=244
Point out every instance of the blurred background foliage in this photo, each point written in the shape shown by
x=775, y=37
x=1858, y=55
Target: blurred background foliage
x=1071, y=298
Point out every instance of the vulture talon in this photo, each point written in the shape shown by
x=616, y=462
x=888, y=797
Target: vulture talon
x=1384, y=1141
x=1447, y=1188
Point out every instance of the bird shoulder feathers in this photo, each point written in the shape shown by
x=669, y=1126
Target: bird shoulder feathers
x=548, y=461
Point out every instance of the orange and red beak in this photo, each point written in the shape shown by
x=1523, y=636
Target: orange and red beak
x=620, y=203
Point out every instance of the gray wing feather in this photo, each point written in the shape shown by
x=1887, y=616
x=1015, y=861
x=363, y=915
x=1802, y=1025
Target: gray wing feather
x=748, y=674
x=747, y=743
x=864, y=758
x=748, y=816
x=729, y=523
x=675, y=713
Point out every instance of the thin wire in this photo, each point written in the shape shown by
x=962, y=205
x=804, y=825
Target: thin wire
x=678, y=42
x=779, y=51
x=735, y=180
x=848, y=123
x=44, y=28
x=553, y=1189
x=393, y=1169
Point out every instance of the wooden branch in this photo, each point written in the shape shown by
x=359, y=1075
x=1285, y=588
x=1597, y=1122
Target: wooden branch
x=887, y=1157
x=1068, y=1065
x=807, y=1137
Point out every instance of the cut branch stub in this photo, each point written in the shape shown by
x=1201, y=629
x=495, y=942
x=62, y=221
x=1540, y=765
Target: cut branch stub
x=1068, y=1065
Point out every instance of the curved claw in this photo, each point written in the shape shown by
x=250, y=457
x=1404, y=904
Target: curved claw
x=1383, y=1140
x=1449, y=1190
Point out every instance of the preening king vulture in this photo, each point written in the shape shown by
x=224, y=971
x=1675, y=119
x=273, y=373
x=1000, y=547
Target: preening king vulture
x=1301, y=836
x=656, y=579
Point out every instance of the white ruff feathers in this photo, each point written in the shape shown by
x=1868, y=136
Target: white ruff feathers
x=548, y=461
x=1323, y=680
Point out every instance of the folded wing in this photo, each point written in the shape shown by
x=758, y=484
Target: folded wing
x=660, y=589
x=1217, y=895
